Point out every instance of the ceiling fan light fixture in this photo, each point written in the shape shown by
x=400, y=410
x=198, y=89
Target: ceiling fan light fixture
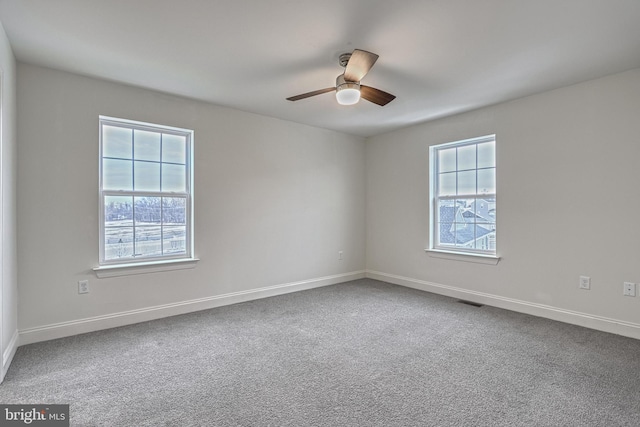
x=347, y=93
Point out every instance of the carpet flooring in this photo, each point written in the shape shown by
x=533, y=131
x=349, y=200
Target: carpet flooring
x=362, y=353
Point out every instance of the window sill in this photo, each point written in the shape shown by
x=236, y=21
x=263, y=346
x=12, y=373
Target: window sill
x=458, y=256
x=114, y=270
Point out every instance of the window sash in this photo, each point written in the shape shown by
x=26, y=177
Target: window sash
x=454, y=247
x=135, y=225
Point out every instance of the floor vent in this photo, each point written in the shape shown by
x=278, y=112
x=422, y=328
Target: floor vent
x=475, y=304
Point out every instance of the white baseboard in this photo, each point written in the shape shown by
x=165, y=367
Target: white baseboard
x=605, y=324
x=91, y=324
x=9, y=352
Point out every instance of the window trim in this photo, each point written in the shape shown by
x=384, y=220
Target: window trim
x=449, y=252
x=149, y=263
x=114, y=270
x=464, y=256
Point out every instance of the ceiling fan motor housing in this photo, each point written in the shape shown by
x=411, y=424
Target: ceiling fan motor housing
x=340, y=81
x=344, y=59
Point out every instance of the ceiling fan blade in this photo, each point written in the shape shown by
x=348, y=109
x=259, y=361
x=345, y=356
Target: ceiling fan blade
x=376, y=96
x=359, y=65
x=310, y=94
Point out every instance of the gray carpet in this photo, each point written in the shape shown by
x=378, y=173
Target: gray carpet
x=363, y=353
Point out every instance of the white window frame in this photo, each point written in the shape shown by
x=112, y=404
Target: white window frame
x=161, y=262
x=439, y=250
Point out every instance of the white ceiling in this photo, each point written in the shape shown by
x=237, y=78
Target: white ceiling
x=438, y=57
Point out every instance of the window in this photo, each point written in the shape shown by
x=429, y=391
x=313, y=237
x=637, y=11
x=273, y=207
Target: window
x=145, y=192
x=463, y=196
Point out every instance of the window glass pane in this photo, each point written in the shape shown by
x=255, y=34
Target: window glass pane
x=174, y=148
x=117, y=175
x=174, y=210
x=447, y=233
x=492, y=210
x=492, y=240
x=465, y=237
x=118, y=211
x=447, y=184
x=466, y=213
x=174, y=240
x=147, y=176
x=148, y=241
x=446, y=216
x=447, y=160
x=457, y=211
x=146, y=145
x=487, y=154
x=467, y=182
x=472, y=243
x=446, y=210
x=174, y=178
x=480, y=209
x=485, y=237
x=116, y=142
x=486, y=181
x=147, y=211
x=118, y=242
x=467, y=157
x=484, y=229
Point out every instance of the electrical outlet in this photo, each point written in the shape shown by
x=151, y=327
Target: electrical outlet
x=83, y=286
x=629, y=289
x=340, y=255
x=585, y=282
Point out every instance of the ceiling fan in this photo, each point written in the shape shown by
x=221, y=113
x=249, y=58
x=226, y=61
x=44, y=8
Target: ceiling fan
x=348, y=88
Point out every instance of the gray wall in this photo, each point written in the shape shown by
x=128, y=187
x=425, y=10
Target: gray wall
x=567, y=205
x=8, y=251
x=274, y=203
